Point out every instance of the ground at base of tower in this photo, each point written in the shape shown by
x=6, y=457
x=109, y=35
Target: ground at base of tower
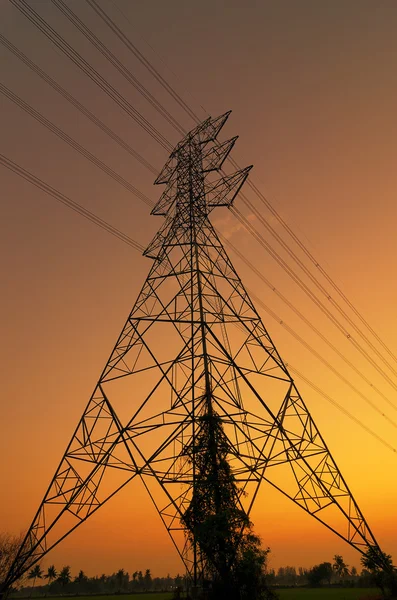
x=284, y=594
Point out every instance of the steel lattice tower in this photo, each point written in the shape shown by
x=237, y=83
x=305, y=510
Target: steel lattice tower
x=193, y=342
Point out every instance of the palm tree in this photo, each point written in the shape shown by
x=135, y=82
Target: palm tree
x=81, y=577
x=147, y=579
x=64, y=576
x=121, y=578
x=35, y=573
x=51, y=574
x=340, y=567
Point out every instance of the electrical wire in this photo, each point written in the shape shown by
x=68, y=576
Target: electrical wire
x=314, y=280
x=307, y=322
x=88, y=70
x=341, y=408
x=274, y=212
x=154, y=72
x=66, y=138
x=51, y=191
x=63, y=136
x=117, y=7
x=91, y=3
x=126, y=73
x=40, y=184
x=65, y=94
x=314, y=261
x=280, y=261
x=319, y=357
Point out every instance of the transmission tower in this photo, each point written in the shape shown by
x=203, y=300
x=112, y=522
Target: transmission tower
x=192, y=344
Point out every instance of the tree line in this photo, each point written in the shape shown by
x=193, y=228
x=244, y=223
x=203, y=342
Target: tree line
x=325, y=573
x=54, y=582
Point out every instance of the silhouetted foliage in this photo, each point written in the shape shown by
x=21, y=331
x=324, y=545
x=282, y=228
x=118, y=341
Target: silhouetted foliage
x=320, y=574
x=35, y=573
x=216, y=521
x=51, y=574
x=340, y=567
x=9, y=546
x=380, y=565
x=64, y=577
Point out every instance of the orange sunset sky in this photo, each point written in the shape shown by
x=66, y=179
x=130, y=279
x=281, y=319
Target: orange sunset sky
x=313, y=87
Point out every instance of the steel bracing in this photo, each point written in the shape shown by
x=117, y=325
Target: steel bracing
x=192, y=340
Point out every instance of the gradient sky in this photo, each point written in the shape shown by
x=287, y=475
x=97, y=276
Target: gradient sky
x=312, y=86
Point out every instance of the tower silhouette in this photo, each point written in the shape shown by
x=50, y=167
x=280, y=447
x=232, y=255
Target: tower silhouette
x=192, y=344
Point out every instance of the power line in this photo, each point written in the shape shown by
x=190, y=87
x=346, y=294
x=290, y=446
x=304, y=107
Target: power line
x=280, y=261
x=90, y=4
x=307, y=252
x=40, y=184
x=127, y=42
x=88, y=70
x=147, y=63
x=314, y=280
x=87, y=113
x=307, y=290
x=305, y=320
x=320, y=358
x=274, y=212
x=163, y=61
x=126, y=73
x=66, y=138
x=342, y=409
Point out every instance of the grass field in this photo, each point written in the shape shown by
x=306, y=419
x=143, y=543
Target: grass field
x=329, y=594
x=288, y=594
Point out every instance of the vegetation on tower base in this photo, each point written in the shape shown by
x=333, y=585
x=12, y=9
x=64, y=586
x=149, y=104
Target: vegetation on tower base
x=381, y=566
x=233, y=564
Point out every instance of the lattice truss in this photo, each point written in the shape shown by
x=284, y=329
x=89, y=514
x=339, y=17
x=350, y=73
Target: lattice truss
x=192, y=333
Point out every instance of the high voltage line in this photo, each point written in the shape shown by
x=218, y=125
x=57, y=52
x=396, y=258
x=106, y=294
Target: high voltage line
x=143, y=60
x=87, y=113
x=306, y=321
x=313, y=279
x=51, y=191
x=71, y=142
x=126, y=73
x=273, y=211
x=88, y=70
x=341, y=408
x=314, y=261
x=258, y=193
x=125, y=40
x=274, y=255
x=281, y=262
x=320, y=358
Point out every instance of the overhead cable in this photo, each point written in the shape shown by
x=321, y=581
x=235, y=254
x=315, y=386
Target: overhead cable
x=87, y=113
x=307, y=322
x=261, y=197
x=281, y=262
x=88, y=70
x=126, y=73
x=40, y=184
x=154, y=72
x=51, y=191
x=69, y=140
x=320, y=358
x=342, y=409
x=314, y=280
